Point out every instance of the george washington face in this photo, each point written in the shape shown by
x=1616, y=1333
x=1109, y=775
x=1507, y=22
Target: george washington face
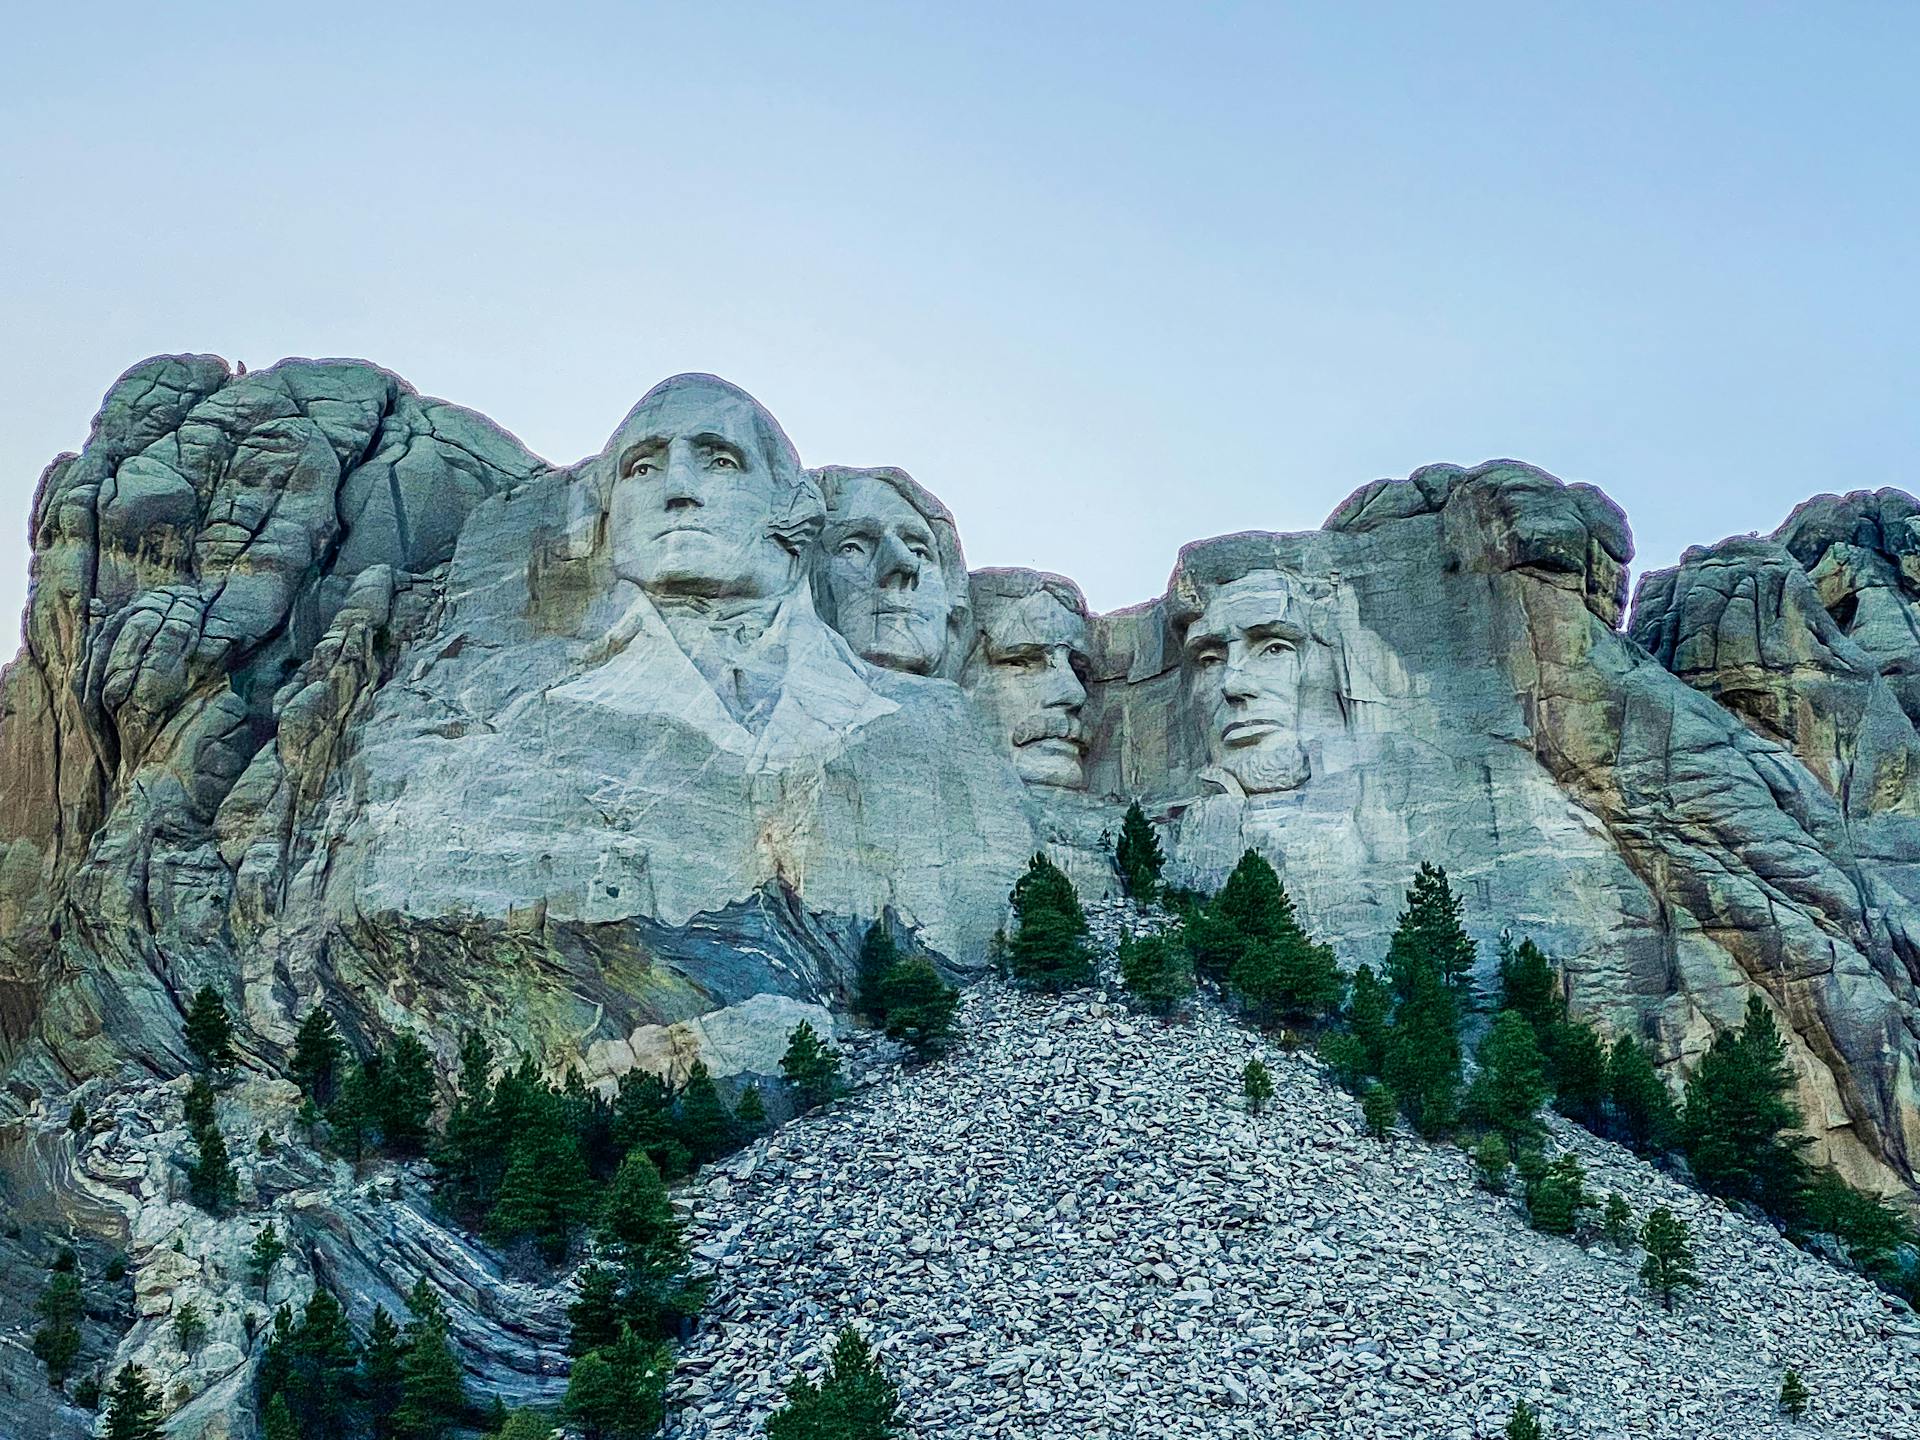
x=700, y=495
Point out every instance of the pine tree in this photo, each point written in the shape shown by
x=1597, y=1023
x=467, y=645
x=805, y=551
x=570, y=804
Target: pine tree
x=383, y=1372
x=619, y=1393
x=645, y=1243
x=197, y=1106
x=1138, y=855
x=594, y=1316
x=189, y=1327
x=1379, y=1106
x=526, y=1424
x=1641, y=1102
x=317, y=1055
x=751, y=1113
x=1512, y=1083
x=1156, y=971
x=1491, y=1160
x=133, y=1411
x=1369, y=1010
x=263, y=1255
x=1875, y=1235
x=643, y=1120
x=1429, y=930
x=1794, y=1396
x=1049, y=951
x=1529, y=986
x=1616, y=1222
x=209, y=1031
x=77, y=1118
x=919, y=1006
x=350, y=1118
x=56, y=1344
x=1524, y=1423
x=1669, y=1265
x=470, y=1159
x=1256, y=1084
x=433, y=1397
x=854, y=1400
x=1345, y=1058
x=403, y=1095
x=546, y=1193
x=276, y=1421
x=210, y=1179
x=1578, y=1066
x=811, y=1067
x=1251, y=909
x=314, y=1364
x=1556, y=1195
x=1740, y=1115
x=878, y=954
x=703, y=1123
x=1423, y=1048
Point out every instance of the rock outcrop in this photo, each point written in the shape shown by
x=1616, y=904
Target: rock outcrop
x=333, y=694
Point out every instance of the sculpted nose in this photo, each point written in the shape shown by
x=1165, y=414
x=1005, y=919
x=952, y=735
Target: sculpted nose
x=680, y=488
x=1067, y=691
x=1238, y=685
x=898, y=565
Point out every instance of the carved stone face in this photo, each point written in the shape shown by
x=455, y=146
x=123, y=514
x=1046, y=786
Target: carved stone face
x=1243, y=662
x=697, y=505
x=1028, y=674
x=886, y=590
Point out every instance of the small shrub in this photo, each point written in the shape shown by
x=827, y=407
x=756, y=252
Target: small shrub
x=750, y=1114
x=1491, y=1161
x=854, y=1400
x=1524, y=1423
x=1669, y=1265
x=811, y=1066
x=1256, y=1084
x=1557, y=1198
x=77, y=1118
x=1379, y=1105
x=1616, y=1221
x=189, y=1328
x=1794, y=1395
x=1157, y=972
x=919, y=1007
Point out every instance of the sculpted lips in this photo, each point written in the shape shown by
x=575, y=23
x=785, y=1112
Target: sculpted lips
x=1248, y=731
x=1056, y=734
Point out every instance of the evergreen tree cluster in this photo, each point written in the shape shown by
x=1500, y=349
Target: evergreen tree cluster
x=1048, y=951
x=317, y=1381
x=1403, y=1029
x=1738, y=1130
x=210, y=1178
x=1249, y=940
x=854, y=1400
x=527, y=1163
x=904, y=995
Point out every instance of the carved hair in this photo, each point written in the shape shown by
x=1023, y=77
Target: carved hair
x=1207, y=566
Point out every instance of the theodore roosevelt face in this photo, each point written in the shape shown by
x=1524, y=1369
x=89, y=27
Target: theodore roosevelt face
x=1028, y=674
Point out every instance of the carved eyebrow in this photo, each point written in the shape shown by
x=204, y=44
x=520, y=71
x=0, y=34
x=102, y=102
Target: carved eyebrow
x=708, y=440
x=1276, y=630
x=1202, y=640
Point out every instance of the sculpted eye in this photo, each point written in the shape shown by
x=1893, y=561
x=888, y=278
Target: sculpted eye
x=1276, y=647
x=722, y=461
x=643, y=466
x=1207, y=659
x=851, y=547
x=920, y=552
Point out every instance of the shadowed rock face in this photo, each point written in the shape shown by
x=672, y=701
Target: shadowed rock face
x=334, y=694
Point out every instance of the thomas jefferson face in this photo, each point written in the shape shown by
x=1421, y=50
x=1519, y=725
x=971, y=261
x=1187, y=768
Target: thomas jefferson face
x=1243, y=671
x=1028, y=673
x=882, y=566
x=696, y=500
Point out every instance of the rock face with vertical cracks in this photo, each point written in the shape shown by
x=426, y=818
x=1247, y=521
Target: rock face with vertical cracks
x=334, y=695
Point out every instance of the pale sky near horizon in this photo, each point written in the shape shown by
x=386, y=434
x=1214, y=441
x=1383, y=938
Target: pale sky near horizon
x=1106, y=278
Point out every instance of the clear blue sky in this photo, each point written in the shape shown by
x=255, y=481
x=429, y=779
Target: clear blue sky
x=1105, y=277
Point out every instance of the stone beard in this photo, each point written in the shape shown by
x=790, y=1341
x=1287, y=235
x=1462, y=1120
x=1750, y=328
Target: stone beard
x=1243, y=663
x=1028, y=672
x=890, y=576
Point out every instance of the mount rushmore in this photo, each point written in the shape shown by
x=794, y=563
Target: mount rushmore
x=334, y=691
